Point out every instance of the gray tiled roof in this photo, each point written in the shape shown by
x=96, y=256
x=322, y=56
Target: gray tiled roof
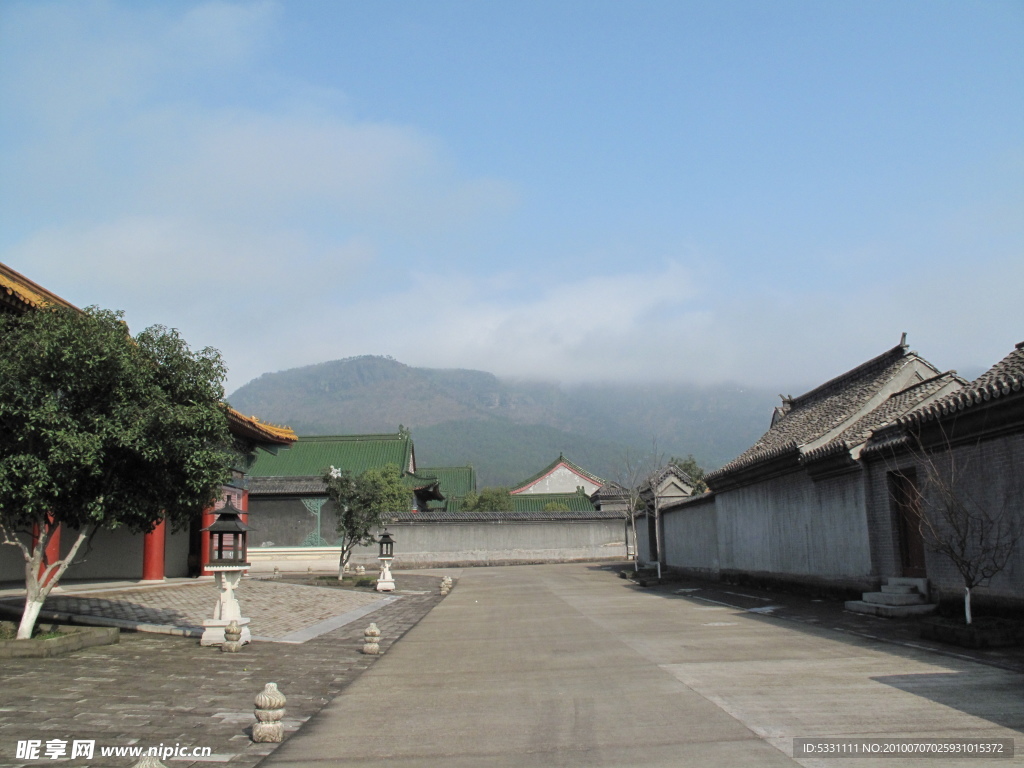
x=814, y=414
x=1004, y=379
x=893, y=408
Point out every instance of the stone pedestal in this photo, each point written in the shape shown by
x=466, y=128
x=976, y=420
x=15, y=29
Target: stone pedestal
x=385, y=582
x=227, y=608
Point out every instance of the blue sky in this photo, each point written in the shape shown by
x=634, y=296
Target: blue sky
x=768, y=192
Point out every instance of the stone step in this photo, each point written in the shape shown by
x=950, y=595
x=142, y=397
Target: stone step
x=900, y=589
x=889, y=611
x=920, y=584
x=885, y=598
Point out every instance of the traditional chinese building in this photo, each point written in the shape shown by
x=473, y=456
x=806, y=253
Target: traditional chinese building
x=158, y=554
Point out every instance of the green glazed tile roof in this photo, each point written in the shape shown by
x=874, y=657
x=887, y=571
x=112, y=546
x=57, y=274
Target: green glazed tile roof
x=535, y=502
x=311, y=456
x=455, y=481
x=524, y=503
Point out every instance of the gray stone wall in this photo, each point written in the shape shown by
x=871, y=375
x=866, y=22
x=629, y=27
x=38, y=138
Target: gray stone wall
x=794, y=526
x=992, y=475
x=441, y=544
x=113, y=555
x=12, y=564
x=691, y=538
x=643, y=541
x=286, y=522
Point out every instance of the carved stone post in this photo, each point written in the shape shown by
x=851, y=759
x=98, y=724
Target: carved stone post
x=269, y=712
x=371, y=638
x=232, y=638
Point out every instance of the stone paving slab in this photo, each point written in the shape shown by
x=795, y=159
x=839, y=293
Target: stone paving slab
x=277, y=609
x=567, y=665
x=154, y=689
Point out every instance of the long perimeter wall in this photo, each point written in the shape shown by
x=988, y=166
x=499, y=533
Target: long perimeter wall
x=440, y=544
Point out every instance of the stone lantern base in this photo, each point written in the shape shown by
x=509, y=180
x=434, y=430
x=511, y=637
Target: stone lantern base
x=227, y=608
x=385, y=582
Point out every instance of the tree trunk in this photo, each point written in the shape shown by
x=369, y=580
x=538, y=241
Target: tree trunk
x=346, y=553
x=967, y=604
x=38, y=585
x=636, y=552
x=29, y=616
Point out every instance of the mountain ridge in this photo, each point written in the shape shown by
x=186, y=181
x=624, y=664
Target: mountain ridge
x=508, y=429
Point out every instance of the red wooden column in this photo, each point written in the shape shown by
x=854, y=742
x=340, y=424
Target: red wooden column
x=243, y=504
x=52, y=552
x=153, y=553
x=209, y=515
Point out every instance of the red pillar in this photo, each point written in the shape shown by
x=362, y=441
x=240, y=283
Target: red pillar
x=52, y=552
x=209, y=515
x=243, y=504
x=153, y=553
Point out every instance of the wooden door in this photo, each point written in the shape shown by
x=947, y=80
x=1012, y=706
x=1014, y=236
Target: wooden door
x=906, y=504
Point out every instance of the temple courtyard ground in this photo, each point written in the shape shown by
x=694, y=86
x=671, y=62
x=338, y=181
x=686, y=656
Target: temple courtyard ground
x=548, y=665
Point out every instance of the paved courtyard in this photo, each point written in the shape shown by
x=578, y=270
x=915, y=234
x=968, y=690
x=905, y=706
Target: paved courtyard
x=155, y=688
x=566, y=665
x=559, y=665
x=280, y=611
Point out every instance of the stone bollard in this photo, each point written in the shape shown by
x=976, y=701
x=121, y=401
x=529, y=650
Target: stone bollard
x=446, y=585
x=309, y=570
x=268, y=728
x=149, y=762
x=277, y=572
x=360, y=570
x=371, y=638
x=232, y=638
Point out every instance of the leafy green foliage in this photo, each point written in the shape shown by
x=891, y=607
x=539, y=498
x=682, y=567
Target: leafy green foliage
x=694, y=470
x=98, y=429
x=556, y=506
x=364, y=502
x=489, y=500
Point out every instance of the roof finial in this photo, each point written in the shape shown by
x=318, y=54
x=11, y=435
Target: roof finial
x=903, y=339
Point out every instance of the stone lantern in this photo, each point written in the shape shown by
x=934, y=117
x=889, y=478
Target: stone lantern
x=385, y=582
x=228, y=546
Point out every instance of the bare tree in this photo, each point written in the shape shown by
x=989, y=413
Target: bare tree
x=637, y=473
x=977, y=532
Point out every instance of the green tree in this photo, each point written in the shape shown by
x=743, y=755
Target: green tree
x=101, y=431
x=556, y=506
x=694, y=470
x=496, y=499
x=363, y=502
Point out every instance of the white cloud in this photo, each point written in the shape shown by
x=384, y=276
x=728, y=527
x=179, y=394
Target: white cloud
x=282, y=229
x=243, y=226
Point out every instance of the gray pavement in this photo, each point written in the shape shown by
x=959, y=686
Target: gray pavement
x=156, y=688
x=280, y=611
x=567, y=665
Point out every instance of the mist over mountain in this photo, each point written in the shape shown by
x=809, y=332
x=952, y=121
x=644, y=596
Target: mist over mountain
x=509, y=429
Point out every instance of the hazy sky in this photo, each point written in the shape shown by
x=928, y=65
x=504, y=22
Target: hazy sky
x=760, y=191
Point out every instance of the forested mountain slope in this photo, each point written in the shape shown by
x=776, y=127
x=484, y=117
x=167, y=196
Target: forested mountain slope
x=509, y=429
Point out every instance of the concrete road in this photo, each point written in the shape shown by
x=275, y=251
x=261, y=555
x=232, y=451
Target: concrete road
x=566, y=665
